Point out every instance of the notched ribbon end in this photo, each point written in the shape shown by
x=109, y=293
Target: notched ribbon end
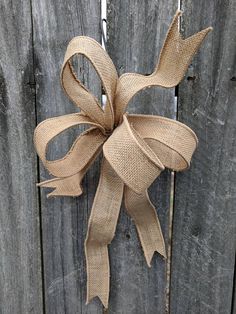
x=103, y=300
x=60, y=188
x=149, y=256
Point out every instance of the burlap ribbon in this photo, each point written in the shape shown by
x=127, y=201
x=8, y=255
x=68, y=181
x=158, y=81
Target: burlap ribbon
x=136, y=148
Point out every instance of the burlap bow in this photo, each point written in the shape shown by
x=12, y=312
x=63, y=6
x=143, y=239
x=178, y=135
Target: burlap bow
x=136, y=148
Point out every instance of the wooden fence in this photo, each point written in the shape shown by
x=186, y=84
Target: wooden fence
x=42, y=263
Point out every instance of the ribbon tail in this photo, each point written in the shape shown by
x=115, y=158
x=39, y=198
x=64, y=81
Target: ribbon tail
x=147, y=223
x=69, y=186
x=101, y=230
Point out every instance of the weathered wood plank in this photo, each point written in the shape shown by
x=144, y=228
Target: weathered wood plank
x=204, y=234
x=20, y=257
x=64, y=220
x=136, y=32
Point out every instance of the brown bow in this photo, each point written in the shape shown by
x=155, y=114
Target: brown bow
x=136, y=148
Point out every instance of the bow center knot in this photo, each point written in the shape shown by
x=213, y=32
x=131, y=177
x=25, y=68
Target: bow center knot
x=108, y=132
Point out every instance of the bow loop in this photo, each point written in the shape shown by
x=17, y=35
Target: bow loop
x=78, y=93
x=70, y=164
x=172, y=141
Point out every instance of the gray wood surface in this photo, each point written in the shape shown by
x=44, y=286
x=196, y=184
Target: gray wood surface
x=64, y=219
x=20, y=257
x=204, y=234
x=136, y=30
x=42, y=262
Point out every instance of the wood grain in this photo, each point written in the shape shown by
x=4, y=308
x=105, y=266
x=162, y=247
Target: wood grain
x=204, y=234
x=136, y=31
x=64, y=219
x=20, y=257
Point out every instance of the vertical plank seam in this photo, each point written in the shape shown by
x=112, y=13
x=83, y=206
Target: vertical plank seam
x=233, y=303
x=169, y=250
x=104, y=310
x=38, y=167
x=171, y=215
x=174, y=186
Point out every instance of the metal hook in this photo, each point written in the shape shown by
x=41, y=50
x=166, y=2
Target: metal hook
x=103, y=33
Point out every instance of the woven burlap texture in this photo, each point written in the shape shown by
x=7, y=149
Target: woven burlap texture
x=136, y=148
